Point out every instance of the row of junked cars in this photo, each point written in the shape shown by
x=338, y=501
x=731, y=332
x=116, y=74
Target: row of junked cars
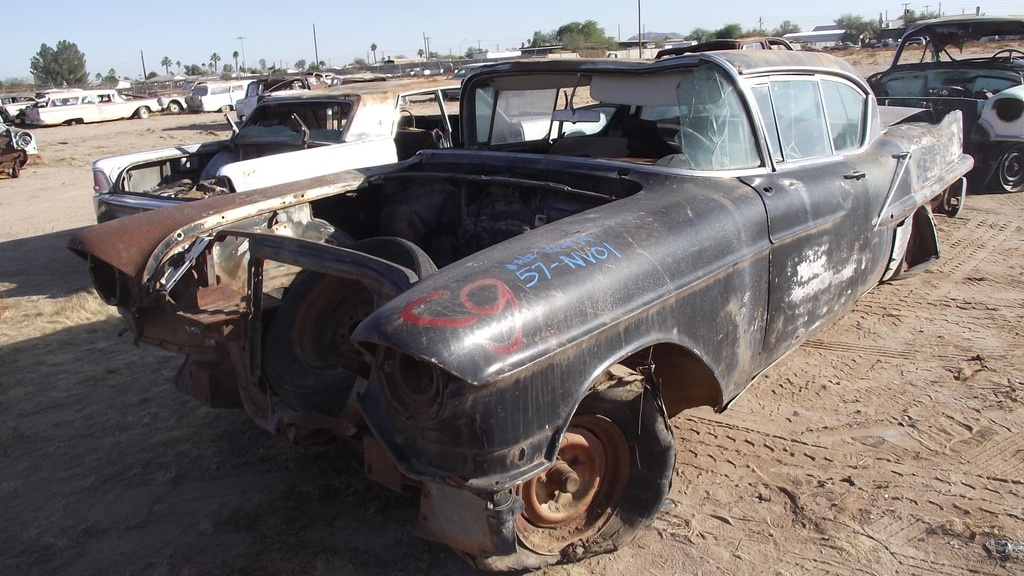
x=68, y=107
x=505, y=320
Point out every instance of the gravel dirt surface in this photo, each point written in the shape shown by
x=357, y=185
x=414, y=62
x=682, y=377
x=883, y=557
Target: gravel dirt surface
x=889, y=444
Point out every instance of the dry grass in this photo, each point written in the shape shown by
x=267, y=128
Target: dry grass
x=970, y=530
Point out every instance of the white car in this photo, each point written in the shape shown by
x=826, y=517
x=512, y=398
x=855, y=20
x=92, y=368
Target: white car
x=291, y=84
x=215, y=96
x=286, y=138
x=83, y=106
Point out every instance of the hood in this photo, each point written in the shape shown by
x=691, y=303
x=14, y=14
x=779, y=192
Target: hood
x=528, y=297
x=129, y=244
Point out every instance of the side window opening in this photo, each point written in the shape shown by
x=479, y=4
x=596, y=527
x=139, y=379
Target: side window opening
x=844, y=107
x=800, y=117
x=715, y=131
x=763, y=98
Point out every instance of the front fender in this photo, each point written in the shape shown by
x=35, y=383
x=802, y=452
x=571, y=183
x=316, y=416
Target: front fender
x=518, y=332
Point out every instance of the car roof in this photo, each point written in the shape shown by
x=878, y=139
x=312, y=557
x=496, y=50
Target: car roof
x=386, y=89
x=968, y=27
x=723, y=44
x=742, y=62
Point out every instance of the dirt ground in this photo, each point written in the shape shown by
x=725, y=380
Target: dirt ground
x=889, y=444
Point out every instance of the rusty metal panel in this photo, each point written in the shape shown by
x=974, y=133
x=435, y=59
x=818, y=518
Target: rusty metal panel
x=379, y=466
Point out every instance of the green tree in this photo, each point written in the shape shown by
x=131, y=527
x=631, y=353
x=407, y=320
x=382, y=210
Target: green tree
x=729, y=31
x=856, y=27
x=152, y=74
x=178, y=64
x=110, y=80
x=359, y=62
x=541, y=38
x=701, y=34
x=373, y=48
x=300, y=64
x=235, y=56
x=214, y=58
x=166, y=63
x=787, y=27
x=12, y=82
x=911, y=16
x=575, y=36
x=63, y=66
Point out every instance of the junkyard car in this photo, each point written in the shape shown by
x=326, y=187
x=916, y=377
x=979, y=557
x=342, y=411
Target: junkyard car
x=86, y=106
x=12, y=105
x=988, y=90
x=286, y=138
x=16, y=146
x=215, y=96
x=751, y=43
x=507, y=326
x=276, y=85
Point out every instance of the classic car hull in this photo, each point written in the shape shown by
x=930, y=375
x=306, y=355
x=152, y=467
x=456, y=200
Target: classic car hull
x=508, y=327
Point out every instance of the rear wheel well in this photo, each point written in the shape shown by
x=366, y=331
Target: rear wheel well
x=923, y=245
x=684, y=379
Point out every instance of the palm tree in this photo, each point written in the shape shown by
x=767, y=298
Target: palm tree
x=235, y=56
x=373, y=48
x=178, y=64
x=166, y=63
x=214, y=58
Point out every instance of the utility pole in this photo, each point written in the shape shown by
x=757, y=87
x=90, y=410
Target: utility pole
x=143, y=56
x=640, y=32
x=242, y=40
x=905, y=5
x=316, y=51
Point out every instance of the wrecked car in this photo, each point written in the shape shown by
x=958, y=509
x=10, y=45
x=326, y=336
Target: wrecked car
x=71, y=107
x=751, y=43
x=929, y=71
x=12, y=105
x=286, y=138
x=277, y=85
x=16, y=145
x=507, y=327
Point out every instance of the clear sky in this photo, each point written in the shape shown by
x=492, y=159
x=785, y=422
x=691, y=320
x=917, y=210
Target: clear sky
x=117, y=33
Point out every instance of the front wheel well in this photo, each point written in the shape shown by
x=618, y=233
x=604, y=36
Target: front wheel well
x=684, y=379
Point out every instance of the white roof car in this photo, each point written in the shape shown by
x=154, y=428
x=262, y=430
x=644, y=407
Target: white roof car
x=286, y=138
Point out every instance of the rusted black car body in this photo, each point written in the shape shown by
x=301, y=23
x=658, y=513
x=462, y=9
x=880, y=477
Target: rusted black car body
x=508, y=326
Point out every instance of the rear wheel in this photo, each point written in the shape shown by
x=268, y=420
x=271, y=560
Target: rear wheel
x=174, y=107
x=142, y=113
x=1011, y=169
x=612, y=474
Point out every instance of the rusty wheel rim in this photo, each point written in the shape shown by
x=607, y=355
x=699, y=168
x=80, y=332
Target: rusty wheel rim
x=572, y=500
x=325, y=323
